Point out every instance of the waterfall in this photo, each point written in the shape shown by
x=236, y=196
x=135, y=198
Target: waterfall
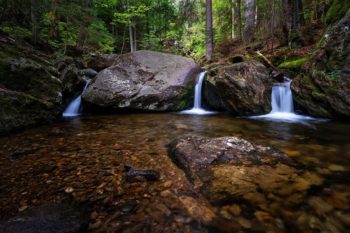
x=197, y=106
x=282, y=105
x=74, y=108
x=282, y=99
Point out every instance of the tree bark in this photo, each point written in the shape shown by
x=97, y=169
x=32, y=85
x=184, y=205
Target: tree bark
x=250, y=18
x=34, y=21
x=239, y=20
x=292, y=10
x=131, y=38
x=209, y=30
x=232, y=21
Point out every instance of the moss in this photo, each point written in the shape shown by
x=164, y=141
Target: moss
x=337, y=10
x=295, y=64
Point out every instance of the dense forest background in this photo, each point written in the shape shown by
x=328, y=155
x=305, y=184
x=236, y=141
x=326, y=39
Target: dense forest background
x=78, y=27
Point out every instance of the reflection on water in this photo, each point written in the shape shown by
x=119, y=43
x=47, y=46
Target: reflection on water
x=37, y=165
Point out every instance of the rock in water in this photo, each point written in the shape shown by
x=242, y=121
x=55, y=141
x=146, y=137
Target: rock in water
x=245, y=87
x=230, y=169
x=145, y=80
x=134, y=175
x=54, y=218
x=323, y=88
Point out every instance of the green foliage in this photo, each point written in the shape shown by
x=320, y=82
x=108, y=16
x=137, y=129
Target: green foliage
x=295, y=64
x=18, y=32
x=337, y=10
x=99, y=38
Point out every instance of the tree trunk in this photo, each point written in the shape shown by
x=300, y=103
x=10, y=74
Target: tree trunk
x=232, y=23
x=239, y=20
x=54, y=32
x=34, y=21
x=250, y=18
x=131, y=38
x=209, y=30
x=135, y=39
x=292, y=10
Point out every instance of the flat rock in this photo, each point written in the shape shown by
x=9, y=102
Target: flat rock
x=228, y=169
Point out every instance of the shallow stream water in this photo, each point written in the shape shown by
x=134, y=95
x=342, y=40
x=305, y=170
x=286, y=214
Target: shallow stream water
x=82, y=160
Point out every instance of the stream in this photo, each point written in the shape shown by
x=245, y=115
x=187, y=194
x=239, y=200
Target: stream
x=82, y=160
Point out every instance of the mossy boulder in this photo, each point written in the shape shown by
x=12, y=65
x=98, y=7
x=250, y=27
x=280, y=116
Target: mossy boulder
x=31, y=93
x=323, y=87
x=19, y=110
x=243, y=88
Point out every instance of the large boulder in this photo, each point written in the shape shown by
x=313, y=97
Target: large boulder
x=244, y=88
x=145, y=80
x=30, y=89
x=239, y=176
x=323, y=88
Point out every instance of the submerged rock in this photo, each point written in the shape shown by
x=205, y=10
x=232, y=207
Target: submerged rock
x=134, y=175
x=145, y=80
x=229, y=169
x=323, y=88
x=244, y=88
x=53, y=218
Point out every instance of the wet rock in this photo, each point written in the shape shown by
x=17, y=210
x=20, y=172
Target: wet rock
x=52, y=218
x=322, y=89
x=192, y=153
x=144, y=81
x=72, y=82
x=229, y=169
x=134, y=175
x=244, y=88
x=211, y=97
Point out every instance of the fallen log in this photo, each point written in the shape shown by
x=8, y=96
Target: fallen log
x=278, y=75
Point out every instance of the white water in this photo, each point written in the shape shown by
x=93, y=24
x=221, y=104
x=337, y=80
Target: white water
x=74, y=108
x=282, y=105
x=197, y=107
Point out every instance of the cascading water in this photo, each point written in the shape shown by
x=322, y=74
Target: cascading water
x=197, y=107
x=282, y=99
x=282, y=104
x=74, y=108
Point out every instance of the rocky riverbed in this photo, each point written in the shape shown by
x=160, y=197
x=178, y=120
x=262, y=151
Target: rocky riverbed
x=249, y=186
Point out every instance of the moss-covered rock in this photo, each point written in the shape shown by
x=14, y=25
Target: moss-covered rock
x=19, y=110
x=31, y=93
x=323, y=87
x=294, y=64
